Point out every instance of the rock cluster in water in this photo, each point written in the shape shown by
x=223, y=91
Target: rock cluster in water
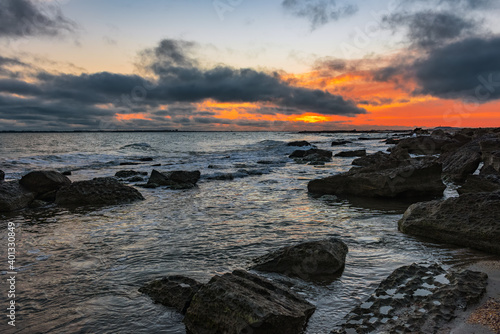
x=174, y=179
x=415, y=299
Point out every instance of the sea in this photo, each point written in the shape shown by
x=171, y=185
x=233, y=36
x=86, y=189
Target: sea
x=79, y=270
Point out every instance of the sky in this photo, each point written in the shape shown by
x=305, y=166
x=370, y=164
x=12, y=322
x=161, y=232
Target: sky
x=241, y=65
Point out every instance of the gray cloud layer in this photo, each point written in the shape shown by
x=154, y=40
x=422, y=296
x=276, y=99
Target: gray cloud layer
x=20, y=18
x=319, y=12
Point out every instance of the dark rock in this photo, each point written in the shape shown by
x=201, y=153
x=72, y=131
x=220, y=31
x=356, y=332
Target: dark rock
x=99, y=191
x=392, y=141
x=490, y=150
x=175, y=179
x=128, y=163
x=37, y=204
x=14, y=196
x=66, y=173
x=426, y=145
x=156, y=165
x=459, y=163
x=420, y=131
x=316, y=155
x=399, y=154
x=350, y=154
x=221, y=177
x=241, y=302
x=300, y=143
x=145, y=159
x=135, y=179
x=470, y=220
x=2, y=176
x=125, y=174
x=416, y=299
x=310, y=261
x=172, y=291
x=480, y=183
x=377, y=159
x=439, y=133
x=42, y=182
x=488, y=170
x=417, y=178
x=340, y=142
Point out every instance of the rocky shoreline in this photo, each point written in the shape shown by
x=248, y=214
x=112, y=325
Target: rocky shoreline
x=414, y=298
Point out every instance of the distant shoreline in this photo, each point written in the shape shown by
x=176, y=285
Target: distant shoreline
x=197, y=131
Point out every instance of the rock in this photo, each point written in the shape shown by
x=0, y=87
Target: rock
x=43, y=182
x=392, y=141
x=438, y=133
x=241, y=302
x=379, y=159
x=470, y=220
x=310, y=261
x=340, y=142
x=128, y=163
x=125, y=174
x=490, y=150
x=299, y=143
x=480, y=183
x=416, y=299
x=172, y=291
x=156, y=165
x=462, y=162
x=99, y=191
x=146, y=159
x=350, y=154
x=420, y=131
x=174, y=179
x=66, y=173
x=316, y=155
x=417, y=178
x=37, y=204
x=488, y=170
x=221, y=176
x=13, y=196
x=2, y=176
x=426, y=145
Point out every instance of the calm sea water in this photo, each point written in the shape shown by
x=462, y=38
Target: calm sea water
x=79, y=271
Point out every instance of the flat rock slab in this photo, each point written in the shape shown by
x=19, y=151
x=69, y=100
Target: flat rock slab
x=471, y=220
x=415, y=299
x=172, y=291
x=99, y=191
x=321, y=260
x=241, y=302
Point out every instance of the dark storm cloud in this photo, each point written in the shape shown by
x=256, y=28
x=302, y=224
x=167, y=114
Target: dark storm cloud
x=19, y=18
x=428, y=28
x=319, y=12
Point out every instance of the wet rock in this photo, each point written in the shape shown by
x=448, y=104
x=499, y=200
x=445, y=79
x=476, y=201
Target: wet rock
x=37, y=204
x=44, y=182
x=14, y=196
x=146, y=159
x=480, y=183
x=379, y=159
x=311, y=261
x=129, y=163
x=415, y=299
x=350, y=154
x=99, y=191
x=392, y=141
x=221, y=176
x=490, y=150
x=241, y=302
x=426, y=145
x=488, y=170
x=174, y=179
x=439, y=133
x=459, y=163
x=66, y=173
x=312, y=155
x=420, y=131
x=340, y=142
x=300, y=143
x=125, y=174
x=470, y=220
x=417, y=178
x=2, y=176
x=172, y=291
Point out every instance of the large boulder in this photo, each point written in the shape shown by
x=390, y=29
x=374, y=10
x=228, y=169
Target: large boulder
x=44, y=184
x=312, y=155
x=426, y=145
x=340, y=142
x=480, y=183
x=416, y=299
x=310, y=261
x=174, y=179
x=471, y=220
x=172, y=291
x=417, y=178
x=490, y=150
x=241, y=302
x=350, y=154
x=300, y=143
x=14, y=196
x=460, y=163
x=99, y=191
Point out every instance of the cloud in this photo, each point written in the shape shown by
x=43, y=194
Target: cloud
x=429, y=28
x=319, y=12
x=20, y=18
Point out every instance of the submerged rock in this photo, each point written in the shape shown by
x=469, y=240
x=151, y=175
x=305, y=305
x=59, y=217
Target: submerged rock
x=99, y=191
x=174, y=179
x=13, y=196
x=172, y=291
x=416, y=299
x=350, y=154
x=44, y=183
x=471, y=220
x=300, y=143
x=241, y=302
x=340, y=142
x=310, y=261
x=312, y=155
x=125, y=174
x=2, y=176
x=418, y=178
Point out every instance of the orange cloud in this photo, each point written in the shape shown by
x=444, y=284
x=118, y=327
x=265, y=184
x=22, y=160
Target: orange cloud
x=126, y=117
